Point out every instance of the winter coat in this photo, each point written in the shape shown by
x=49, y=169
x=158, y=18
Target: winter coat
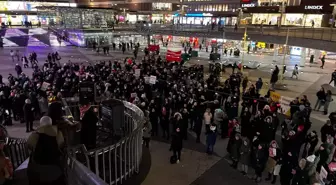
x=43, y=105
x=147, y=130
x=48, y=169
x=176, y=143
x=288, y=164
x=211, y=137
x=259, y=158
x=28, y=112
x=219, y=116
x=300, y=177
x=234, y=148
x=245, y=152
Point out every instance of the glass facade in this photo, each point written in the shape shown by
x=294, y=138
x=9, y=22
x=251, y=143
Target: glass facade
x=213, y=7
x=162, y=6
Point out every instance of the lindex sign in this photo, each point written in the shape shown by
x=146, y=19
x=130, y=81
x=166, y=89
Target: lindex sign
x=313, y=7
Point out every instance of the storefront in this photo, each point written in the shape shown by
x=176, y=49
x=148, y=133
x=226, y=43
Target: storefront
x=133, y=18
x=203, y=19
x=270, y=19
x=306, y=14
x=160, y=18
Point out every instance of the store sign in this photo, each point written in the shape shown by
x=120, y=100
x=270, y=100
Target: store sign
x=313, y=7
x=248, y=5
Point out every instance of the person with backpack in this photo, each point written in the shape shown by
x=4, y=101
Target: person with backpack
x=45, y=165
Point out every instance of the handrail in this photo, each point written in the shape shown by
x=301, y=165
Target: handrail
x=115, y=163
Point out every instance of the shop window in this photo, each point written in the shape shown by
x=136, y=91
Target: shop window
x=161, y=6
x=220, y=7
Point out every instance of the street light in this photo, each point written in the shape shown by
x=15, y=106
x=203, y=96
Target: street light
x=244, y=43
x=284, y=57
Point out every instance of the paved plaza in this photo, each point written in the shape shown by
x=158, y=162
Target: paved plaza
x=196, y=168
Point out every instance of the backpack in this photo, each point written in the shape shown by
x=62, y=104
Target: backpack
x=173, y=159
x=47, y=151
x=9, y=168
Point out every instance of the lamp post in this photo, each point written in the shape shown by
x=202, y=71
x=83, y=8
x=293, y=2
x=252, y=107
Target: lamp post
x=244, y=43
x=284, y=57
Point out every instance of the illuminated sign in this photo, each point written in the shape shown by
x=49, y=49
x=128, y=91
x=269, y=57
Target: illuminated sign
x=313, y=7
x=248, y=5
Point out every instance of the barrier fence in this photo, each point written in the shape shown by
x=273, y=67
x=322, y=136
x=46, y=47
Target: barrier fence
x=111, y=164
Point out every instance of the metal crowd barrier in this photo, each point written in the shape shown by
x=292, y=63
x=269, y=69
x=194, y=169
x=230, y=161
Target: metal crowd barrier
x=112, y=164
x=17, y=151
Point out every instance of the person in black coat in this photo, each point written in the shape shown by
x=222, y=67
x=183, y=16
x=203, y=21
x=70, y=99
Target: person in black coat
x=274, y=77
x=176, y=144
x=28, y=112
x=245, y=122
x=327, y=129
x=289, y=162
x=89, y=121
x=324, y=155
x=259, y=158
x=301, y=176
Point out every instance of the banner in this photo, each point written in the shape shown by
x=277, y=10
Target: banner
x=285, y=105
x=275, y=96
x=170, y=52
x=173, y=58
x=153, y=47
x=44, y=86
x=152, y=79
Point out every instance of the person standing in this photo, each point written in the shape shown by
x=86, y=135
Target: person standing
x=274, y=77
x=234, y=149
x=147, y=129
x=207, y=119
x=333, y=78
x=327, y=102
x=321, y=98
x=177, y=144
x=211, y=139
x=45, y=165
x=12, y=54
x=245, y=153
x=295, y=71
x=28, y=111
x=323, y=61
x=17, y=55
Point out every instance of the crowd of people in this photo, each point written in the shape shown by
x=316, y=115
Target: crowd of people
x=178, y=100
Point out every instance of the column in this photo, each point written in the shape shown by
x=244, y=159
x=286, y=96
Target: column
x=276, y=51
x=303, y=57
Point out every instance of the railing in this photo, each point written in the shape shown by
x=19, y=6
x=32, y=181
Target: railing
x=326, y=34
x=17, y=151
x=115, y=163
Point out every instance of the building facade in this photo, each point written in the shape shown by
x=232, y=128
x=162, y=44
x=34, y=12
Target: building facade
x=304, y=13
x=203, y=12
x=17, y=12
x=137, y=10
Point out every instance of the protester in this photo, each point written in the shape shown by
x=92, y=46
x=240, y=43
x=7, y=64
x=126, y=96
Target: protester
x=147, y=129
x=245, y=155
x=45, y=165
x=176, y=144
x=211, y=139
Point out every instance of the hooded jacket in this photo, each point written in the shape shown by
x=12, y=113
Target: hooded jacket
x=245, y=151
